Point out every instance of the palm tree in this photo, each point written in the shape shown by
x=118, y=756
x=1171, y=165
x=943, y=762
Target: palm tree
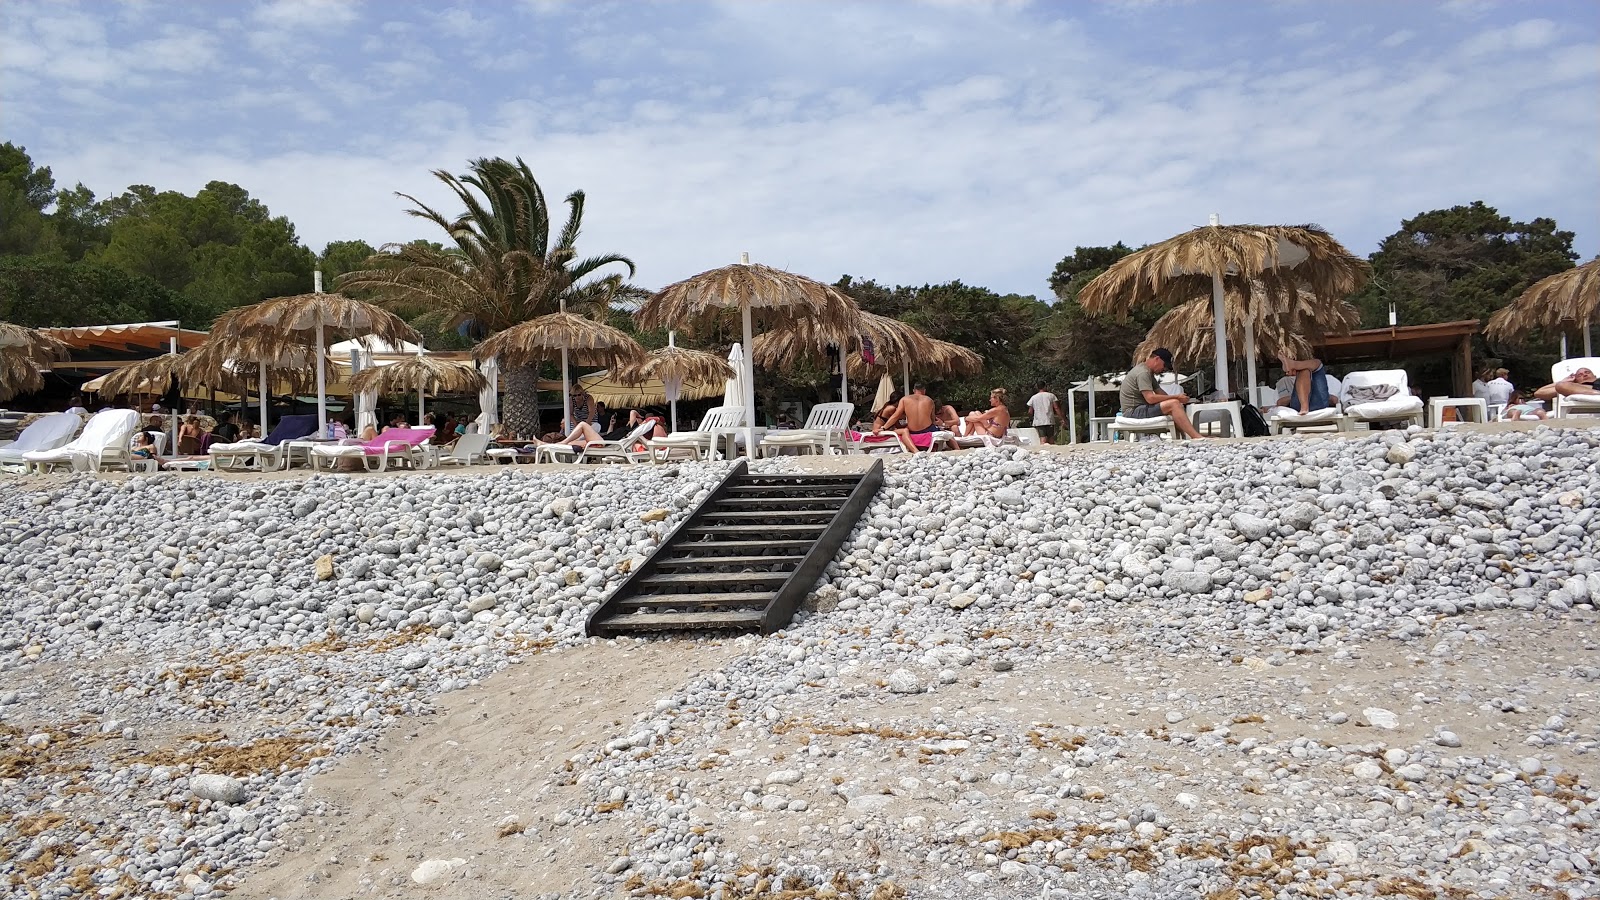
x=501, y=265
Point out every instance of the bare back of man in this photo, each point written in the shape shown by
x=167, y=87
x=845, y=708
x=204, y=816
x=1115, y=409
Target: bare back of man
x=917, y=409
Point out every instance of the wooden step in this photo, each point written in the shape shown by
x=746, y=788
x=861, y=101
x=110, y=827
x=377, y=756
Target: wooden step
x=681, y=561
x=832, y=503
x=733, y=528
x=723, y=546
x=764, y=515
x=669, y=580
x=768, y=482
x=779, y=490
x=730, y=618
x=733, y=598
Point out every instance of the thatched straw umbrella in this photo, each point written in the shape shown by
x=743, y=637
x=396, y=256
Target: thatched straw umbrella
x=1283, y=259
x=894, y=342
x=941, y=359
x=24, y=355
x=1188, y=330
x=565, y=335
x=422, y=373
x=755, y=292
x=676, y=366
x=1570, y=296
x=232, y=355
x=311, y=320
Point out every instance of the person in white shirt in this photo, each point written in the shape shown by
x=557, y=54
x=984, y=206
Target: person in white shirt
x=77, y=406
x=1046, y=413
x=1498, y=390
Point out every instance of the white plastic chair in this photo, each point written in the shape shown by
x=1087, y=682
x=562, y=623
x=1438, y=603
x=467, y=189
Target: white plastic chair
x=827, y=429
x=468, y=450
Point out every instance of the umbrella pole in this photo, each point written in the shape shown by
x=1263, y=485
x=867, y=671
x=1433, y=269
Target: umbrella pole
x=1091, y=409
x=420, y=413
x=1219, y=327
x=672, y=401
x=566, y=396
x=174, y=444
x=1588, y=339
x=1249, y=359
x=844, y=375
x=322, y=387
x=261, y=385
x=1072, y=415
x=750, y=386
x=1563, y=345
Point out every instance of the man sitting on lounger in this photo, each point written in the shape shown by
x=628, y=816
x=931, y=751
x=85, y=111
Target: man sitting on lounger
x=1142, y=399
x=917, y=410
x=1309, y=392
x=1581, y=381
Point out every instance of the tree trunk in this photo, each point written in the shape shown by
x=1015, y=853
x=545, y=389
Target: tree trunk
x=521, y=413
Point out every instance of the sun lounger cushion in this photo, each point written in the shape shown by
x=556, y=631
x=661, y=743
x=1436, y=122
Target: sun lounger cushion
x=1584, y=401
x=1380, y=409
x=289, y=428
x=1286, y=414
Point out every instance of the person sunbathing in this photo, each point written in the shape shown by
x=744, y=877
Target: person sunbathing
x=1581, y=382
x=1519, y=408
x=144, y=446
x=995, y=420
x=917, y=412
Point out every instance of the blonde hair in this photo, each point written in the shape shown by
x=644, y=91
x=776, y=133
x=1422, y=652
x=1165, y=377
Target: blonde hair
x=1001, y=393
x=1501, y=373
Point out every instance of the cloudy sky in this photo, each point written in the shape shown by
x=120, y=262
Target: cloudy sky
x=905, y=141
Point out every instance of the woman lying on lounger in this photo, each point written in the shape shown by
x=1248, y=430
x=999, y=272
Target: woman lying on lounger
x=586, y=434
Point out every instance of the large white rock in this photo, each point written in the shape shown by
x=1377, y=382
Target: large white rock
x=218, y=788
x=432, y=870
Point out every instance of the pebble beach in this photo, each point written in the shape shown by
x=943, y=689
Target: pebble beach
x=1313, y=667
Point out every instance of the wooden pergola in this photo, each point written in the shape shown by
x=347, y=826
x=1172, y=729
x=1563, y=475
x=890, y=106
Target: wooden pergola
x=1447, y=339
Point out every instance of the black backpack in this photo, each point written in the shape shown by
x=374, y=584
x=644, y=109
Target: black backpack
x=1255, y=424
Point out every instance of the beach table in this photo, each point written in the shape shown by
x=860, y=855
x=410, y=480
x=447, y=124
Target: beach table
x=1477, y=406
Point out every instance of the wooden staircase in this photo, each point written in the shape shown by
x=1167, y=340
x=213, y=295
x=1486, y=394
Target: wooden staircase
x=743, y=560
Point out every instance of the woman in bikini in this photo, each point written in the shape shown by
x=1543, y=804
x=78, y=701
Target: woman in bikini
x=993, y=421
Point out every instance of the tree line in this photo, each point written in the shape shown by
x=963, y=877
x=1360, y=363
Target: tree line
x=70, y=258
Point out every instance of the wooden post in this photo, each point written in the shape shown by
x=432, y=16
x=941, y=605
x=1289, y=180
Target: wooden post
x=1463, y=368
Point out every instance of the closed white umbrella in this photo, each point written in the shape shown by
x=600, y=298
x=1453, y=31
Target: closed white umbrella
x=885, y=391
x=734, y=395
x=489, y=397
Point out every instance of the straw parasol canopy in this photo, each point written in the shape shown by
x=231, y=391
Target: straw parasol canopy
x=1282, y=260
x=1188, y=330
x=757, y=293
x=1570, y=296
x=676, y=369
x=148, y=376
x=313, y=320
x=24, y=355
x=942, y=359
x=423, y=372
x=571, y=337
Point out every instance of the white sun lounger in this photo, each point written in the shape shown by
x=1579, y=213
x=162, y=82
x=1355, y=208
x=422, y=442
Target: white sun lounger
x=1580, y=404
x=468, y=450
x=697, y=443
x=46, y=433
x=104, y=444
x=827, y=429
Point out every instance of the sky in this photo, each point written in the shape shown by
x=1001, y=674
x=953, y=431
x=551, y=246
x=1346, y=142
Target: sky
x=908, y=142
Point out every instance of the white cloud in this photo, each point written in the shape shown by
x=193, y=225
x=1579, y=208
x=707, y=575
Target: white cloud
x=904, y=143
x=1303, y=31
x=1531, y=34
x=1397, y=38
x=307, y=14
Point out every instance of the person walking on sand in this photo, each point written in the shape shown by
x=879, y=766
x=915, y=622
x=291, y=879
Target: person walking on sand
x=917, y=411
x=1142, y=399
x=1046, y=413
